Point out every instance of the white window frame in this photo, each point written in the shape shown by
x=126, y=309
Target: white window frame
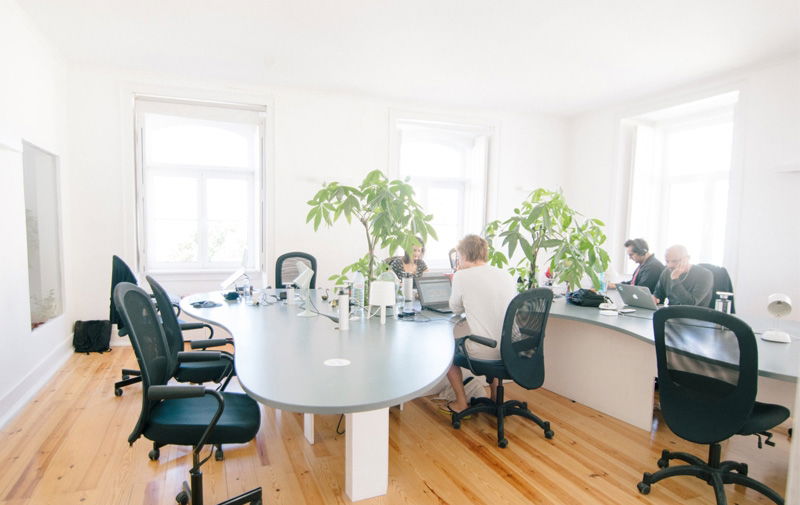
x=450, y=129
x=256, y=256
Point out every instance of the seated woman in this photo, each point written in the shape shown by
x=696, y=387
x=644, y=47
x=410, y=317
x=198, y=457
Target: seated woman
x=482, y=292
x=410, y=265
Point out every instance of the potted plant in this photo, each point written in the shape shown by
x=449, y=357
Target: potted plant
x=545, y=228
x=385, y=208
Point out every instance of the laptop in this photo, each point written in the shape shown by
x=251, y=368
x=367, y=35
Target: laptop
x=637, y=296
x=434, y=293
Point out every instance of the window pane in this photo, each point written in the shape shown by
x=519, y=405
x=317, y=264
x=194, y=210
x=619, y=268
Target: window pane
x=173, y=241
x=429, y=159
x=446, y=206
x=185, y=141
x=229, y=203
x=173, y=197
x=700, y=149
x=719, y=213
x=684, y=223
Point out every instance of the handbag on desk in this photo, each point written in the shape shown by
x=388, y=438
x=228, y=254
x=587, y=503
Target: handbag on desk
x=586, y=298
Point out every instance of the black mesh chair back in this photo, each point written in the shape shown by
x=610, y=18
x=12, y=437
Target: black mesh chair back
x=286, y=268
x=149, y=343
x=707, y=372
x=172, y=328
x=522, y=344
x=120, y=272
x=722, y=282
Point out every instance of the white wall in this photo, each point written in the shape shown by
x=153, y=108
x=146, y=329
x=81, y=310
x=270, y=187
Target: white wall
x=318, y=136
x=762, y=255
x=31, y=108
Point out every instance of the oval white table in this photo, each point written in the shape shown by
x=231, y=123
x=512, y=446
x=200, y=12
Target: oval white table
x=308, y=365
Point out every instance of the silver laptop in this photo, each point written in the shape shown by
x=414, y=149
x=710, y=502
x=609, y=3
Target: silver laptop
x=434, y=293
x=637, y=296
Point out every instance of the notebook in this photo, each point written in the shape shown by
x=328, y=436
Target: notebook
x=434, y=293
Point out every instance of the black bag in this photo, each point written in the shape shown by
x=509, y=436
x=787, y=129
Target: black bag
x=91, y=336
x=586, y=298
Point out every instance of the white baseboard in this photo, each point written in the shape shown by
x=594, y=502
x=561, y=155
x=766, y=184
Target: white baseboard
x=18, y=397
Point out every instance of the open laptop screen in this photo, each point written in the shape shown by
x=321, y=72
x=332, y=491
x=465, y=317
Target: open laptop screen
x=434, y=290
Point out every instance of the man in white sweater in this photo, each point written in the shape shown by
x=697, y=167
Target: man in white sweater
x=481, y=292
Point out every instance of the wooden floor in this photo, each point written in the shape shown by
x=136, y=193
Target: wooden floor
x=69, y=446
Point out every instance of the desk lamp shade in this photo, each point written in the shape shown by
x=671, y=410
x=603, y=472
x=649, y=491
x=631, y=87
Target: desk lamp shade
x=778, y=305
x=381, y=293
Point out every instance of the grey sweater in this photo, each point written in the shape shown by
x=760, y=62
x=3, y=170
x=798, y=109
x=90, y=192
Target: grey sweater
x=695, y=287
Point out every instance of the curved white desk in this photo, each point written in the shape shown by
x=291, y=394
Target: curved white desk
x=281, y=362
x=609, y=362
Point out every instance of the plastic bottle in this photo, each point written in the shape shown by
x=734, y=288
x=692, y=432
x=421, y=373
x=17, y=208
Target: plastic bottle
x=247, y=289
x=603, y=284
x=344, y=309
x=358, y=293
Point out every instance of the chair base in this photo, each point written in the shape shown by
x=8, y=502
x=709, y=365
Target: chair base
x=716, y=473
x=129, y=377
x=502, y=410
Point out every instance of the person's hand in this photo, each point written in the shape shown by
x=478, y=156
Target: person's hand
x=656, y=300
x=681, y=269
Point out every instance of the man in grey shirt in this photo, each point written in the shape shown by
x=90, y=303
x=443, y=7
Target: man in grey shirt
x=683, y=283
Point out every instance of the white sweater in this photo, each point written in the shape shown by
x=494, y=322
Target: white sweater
x=483, y=294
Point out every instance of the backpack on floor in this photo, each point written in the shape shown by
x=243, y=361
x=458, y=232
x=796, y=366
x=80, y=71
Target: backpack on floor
x=91, y=336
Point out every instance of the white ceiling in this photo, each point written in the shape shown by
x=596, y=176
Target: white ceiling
x=559, y=56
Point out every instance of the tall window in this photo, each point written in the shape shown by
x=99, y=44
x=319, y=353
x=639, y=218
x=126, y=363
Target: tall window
x=200, y=184
x=447, y=165
x=681, y=176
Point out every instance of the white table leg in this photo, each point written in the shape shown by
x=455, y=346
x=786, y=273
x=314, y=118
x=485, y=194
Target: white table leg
x=367, y=454
x=308, y=427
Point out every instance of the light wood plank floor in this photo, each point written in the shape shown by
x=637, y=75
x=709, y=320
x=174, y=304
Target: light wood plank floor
x=69, y=446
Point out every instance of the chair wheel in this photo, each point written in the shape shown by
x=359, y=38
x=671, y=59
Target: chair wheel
x=742, y=468
x=456, y=424
x=117, y=391
x=663, y=463
x=502, y=443
x=125, y=377
x=218, y=454
x=154, y=454
x=548, y=434
x=643, y=488
x=182, y=498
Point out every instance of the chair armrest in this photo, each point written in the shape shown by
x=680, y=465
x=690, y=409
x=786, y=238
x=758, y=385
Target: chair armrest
x=209, y=342
x=193, y=356
x=172, y=392
x=488, y=342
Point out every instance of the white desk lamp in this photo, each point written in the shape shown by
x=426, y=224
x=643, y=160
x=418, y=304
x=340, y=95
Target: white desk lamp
x=302, y=282
x=381, y=293
x=778, y=305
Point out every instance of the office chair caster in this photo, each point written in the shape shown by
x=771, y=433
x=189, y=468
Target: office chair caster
x=502, y=443
x=218, y=454
x=643, y=488
x=125, y=377
x=117, y=391
x=663, y=462
x=456, y=424
x=182, y=498
x=548, y=434
x=154, y=454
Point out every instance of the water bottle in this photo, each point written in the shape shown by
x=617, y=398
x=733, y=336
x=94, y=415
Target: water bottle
x=723, y=302
x=344, y=309
x=247, y=290
x=358, y=293
x=603, y=284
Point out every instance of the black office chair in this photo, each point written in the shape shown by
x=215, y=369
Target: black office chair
x=286, y=267
x=522, y=353
x=121, y=272
x=181, y=415
x=710, y=398
x=722, y=282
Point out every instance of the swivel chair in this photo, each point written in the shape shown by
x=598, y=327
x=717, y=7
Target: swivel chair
x=286, y=267
x=182, y=415
x=453, y=257
x=522, y=353
x=121, y=272
x=711, y=400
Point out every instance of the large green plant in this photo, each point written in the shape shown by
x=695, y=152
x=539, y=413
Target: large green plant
x=546, y=229
x=386, y=208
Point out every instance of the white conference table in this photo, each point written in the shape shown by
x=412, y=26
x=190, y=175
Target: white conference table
x=284, y=361
x=608, y=362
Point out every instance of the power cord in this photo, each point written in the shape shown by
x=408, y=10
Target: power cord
x=341, y=417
